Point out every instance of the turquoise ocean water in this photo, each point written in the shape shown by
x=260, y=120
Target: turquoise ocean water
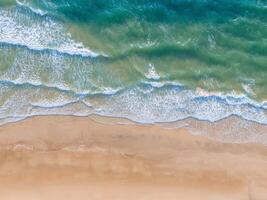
x=146, y=60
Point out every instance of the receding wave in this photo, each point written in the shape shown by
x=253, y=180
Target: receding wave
x=143, y=103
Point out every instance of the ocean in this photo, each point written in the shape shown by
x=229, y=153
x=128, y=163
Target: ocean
x=150, y=61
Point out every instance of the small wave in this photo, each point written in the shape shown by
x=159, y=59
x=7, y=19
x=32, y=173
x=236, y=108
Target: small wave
x=101, y=91
x=32, y=9
x=155, y=84
x=146, y=103
x=152, y=73
x=160, y=84
x=107, y=91
x=172, y=105
x=63, y=51
x=167, y=104
x=39, y=85
x=35, y=33
x=46, y=105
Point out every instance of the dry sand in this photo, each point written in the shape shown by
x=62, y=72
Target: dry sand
x=61, y=157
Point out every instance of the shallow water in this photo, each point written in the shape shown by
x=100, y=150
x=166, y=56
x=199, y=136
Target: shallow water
x=146, y=60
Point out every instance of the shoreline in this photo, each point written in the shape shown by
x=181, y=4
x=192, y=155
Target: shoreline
x=226, y=128
x=52, y=154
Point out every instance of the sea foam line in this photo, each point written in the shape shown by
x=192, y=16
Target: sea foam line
x=32, y=9
x=10, y=118
x=71, y=52
x=105, y=90
x=230, y=99
x=38, y=33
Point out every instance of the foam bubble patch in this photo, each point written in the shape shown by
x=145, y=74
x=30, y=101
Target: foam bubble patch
x=20, y=27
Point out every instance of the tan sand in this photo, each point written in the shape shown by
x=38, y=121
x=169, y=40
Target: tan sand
x=54, y=157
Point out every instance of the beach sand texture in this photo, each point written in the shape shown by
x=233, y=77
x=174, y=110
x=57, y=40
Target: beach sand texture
x=62, y=157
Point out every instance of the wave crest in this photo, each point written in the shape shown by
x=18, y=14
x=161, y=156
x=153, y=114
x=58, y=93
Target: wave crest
x=38, y=33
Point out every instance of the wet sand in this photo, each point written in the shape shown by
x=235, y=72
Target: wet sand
x=62, y=157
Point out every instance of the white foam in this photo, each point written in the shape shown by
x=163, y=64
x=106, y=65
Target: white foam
x=159, y=84
x=140, y=104
x=152, y=73
x=170, y=105
x=155, y=84
x=56, y=72
x=59, y=102
x=38, y=33
x=25, y=4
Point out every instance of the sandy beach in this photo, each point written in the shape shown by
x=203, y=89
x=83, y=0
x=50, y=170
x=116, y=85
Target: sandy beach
x=133, y=100
x=62, y=157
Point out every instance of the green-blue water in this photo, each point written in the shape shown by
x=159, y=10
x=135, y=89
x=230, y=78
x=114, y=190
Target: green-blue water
x=147, y=60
